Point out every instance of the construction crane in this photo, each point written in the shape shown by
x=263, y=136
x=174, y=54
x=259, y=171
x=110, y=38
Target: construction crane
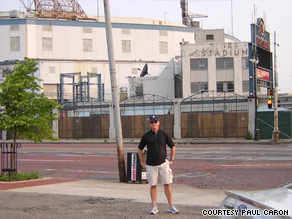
x=188, y=18
x=63, y=9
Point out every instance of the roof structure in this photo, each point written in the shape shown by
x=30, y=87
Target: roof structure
x=63, y=9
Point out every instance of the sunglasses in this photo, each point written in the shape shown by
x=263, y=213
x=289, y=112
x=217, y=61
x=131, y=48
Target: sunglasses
x=153, y=122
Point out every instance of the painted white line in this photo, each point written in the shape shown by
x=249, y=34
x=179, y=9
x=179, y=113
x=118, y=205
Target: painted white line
x=253, y=165
x=33, y=160
x=88, y=171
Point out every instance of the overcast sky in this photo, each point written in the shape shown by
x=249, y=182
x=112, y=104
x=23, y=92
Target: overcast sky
x=221, y=14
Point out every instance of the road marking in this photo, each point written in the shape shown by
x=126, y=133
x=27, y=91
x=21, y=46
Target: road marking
x=33, y=160
x=86, y=171
x=253, y=165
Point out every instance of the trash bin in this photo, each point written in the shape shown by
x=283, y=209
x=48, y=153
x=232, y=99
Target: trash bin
x=135, y=172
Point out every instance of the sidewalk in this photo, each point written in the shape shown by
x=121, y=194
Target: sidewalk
x=178, y=141
x=182, y=194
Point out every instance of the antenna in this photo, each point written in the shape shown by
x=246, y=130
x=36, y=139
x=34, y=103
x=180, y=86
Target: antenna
x=231, y=18
x=144, y=71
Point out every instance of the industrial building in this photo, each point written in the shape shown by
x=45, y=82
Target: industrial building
x=62, y=46
x=215, y=62
x=180, y=60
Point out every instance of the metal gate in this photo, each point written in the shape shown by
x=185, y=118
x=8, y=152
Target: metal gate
x=135, y=112
x=85, y=120
x=214, y=114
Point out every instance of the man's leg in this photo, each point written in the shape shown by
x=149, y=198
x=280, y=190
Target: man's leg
x=168, y=193
x=153, y=194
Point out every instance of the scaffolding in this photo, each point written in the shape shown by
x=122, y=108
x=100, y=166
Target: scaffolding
x=62, y=9
x=82, y=87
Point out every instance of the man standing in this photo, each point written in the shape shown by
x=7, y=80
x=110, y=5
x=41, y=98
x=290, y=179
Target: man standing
x=157, y=164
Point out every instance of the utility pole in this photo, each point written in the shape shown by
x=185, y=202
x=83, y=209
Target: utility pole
x=255, y=61
x=276, y=133
x=114, y=87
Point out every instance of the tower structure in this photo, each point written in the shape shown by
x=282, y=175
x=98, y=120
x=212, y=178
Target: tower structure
x=188, y=18
x=64, y=9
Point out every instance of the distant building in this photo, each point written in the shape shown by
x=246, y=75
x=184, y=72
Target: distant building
x=69, y=46
x=215, y=62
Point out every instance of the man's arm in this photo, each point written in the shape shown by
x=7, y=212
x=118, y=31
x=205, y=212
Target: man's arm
x=172, y=154
x=141, y=158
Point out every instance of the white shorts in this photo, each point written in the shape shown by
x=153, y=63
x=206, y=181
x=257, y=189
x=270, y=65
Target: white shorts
x=163, y=170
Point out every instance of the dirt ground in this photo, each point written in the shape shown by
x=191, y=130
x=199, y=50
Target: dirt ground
x=23, y=205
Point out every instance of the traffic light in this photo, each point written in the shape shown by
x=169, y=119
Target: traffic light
x=270, y=93
x=270, y=103
x=270, y=98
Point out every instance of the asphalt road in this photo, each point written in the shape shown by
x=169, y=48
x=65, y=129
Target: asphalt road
x=218, y=166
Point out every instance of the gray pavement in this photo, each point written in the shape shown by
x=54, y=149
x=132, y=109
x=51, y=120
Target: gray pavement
x=182, y=194
x=181, y=141
x=102, y=199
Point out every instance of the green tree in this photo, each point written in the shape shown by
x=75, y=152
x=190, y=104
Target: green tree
x=26, y=113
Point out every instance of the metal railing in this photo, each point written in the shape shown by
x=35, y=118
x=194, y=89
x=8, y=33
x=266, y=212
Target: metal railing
x=9, y=158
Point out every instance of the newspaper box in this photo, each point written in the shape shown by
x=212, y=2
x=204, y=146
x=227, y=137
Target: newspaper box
x=135, y=172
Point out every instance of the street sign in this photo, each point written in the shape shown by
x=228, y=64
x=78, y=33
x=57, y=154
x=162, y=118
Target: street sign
x=261, y=60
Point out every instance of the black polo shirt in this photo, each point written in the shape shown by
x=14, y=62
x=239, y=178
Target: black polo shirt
x=156, y=146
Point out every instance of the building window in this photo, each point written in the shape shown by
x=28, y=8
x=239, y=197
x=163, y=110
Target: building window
x=162, y=33
x=126, y=46
x=220, y=87
x=52, y=70
x=163, y=47
x=225, y=86
x=87, y=30
x=47, y=44
x=245, y=86
x=139, y=90
x=126, y=31
x=245, y=63
x=198, y=64
x=197, y=87
x=209, y=37
x=230, y=86
x=87, y=45
x=47, y=28
x=14, y=27
x=14, y=44
x=224, y=63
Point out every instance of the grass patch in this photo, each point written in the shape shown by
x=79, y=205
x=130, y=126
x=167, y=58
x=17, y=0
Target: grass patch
x=20, y=176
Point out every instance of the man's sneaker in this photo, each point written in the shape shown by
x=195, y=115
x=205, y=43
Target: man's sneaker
x=154, y=210
x=173, y=210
